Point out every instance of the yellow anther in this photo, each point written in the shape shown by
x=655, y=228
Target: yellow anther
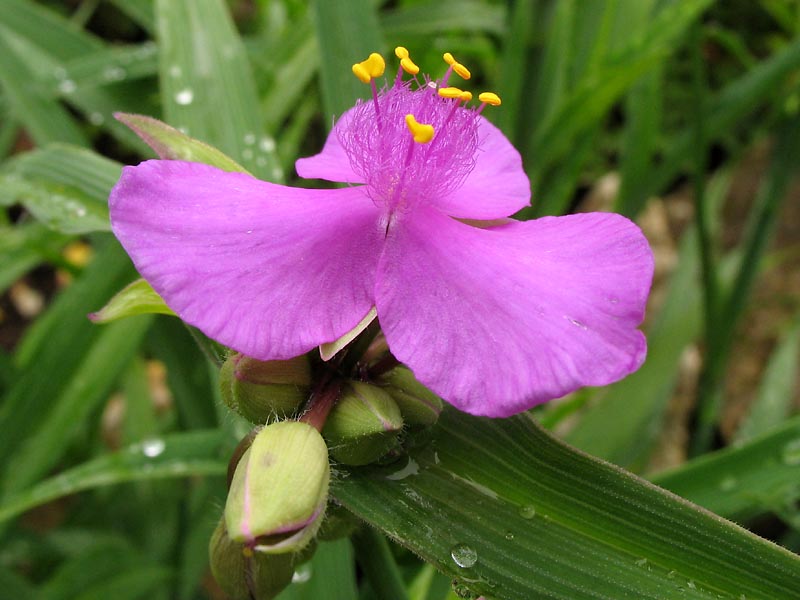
x=489, y=98
x=466, y=96
x=248, y=552
x=405, y=61
x=421, y=132
x=462, y=71
x=409, y=66
x=369, y=69
x=450, y=92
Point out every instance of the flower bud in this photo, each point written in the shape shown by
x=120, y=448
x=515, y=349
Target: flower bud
x=243, y=574
x=279, y=490
x=363, y=425
x=264, y=391
x=418, y=405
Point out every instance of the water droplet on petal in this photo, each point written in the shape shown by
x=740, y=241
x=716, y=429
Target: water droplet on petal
x=527, y=512
x=464, y=556
x=153, y=447
x=184, y=97
x=791, y=453
x=577, y=323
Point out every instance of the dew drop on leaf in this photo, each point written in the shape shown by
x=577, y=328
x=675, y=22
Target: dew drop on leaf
x=464, y=556
x=527, y=512
x=791, y=453
x=153, y=447
x=184, y=97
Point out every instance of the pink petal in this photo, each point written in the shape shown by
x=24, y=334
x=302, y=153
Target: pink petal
x=498, y=320
x=268, y=270
x=332, y=163
x=497, y=186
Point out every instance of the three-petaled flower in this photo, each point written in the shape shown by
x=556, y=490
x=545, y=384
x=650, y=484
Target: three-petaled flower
x=494, y=317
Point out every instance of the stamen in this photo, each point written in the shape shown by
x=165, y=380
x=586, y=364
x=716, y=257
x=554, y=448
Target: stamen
x=488, y=98
x=450, y=92
x=369, y=69
x=406, y=63
x=421, y=132
x=456, y=66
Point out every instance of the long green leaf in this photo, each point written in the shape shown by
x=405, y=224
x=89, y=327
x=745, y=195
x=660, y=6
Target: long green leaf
x=43, y=117
x=207, y=85
x=347, y=32
x=743, y=480
x=176, y=455
x=513, y=513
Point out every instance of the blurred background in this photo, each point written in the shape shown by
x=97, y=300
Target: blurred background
x=683, y=115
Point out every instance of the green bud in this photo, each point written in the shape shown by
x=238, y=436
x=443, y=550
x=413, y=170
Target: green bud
x=243, y=574
x=265, y=391
x=279, y=490
x=363, y=425
x=419, y=406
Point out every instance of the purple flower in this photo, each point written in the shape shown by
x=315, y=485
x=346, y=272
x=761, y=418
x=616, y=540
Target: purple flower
x=495, y=319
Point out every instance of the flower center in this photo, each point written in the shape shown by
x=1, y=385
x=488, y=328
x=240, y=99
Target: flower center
x=416, y=140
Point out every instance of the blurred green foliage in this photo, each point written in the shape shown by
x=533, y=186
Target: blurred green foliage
x=613, y=104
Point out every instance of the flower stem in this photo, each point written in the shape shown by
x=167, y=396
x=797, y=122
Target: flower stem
x=321, y=402
x=374, y=556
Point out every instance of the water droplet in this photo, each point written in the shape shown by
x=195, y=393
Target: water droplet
x=247, y=154
x=277, y=173
x=464, y=556
x=302, y=574
x=791, y=453
x=642, y=562
x=411, y=468
x=261, y=161
x=267, y=144
x=527, y=512
x=691, y=585
x=249, y=231
x=671, y=575
x=509, y=535
x=577, y=323
x=728, y=484
x=175, y=71
x=153, y=447
x=96, y=118
x=114, y=73
x=67, y=86
x=184, y=97
x=250, y=139
x=60, y=73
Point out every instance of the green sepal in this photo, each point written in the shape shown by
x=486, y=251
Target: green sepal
x=363, y=425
